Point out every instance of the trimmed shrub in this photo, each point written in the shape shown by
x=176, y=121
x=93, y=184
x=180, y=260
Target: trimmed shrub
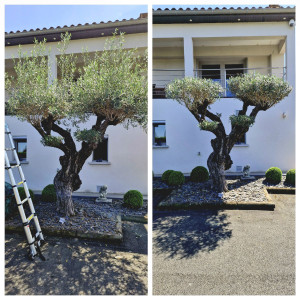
x=133, y=198
x=291, y=177
x=199, y=174
x=49, y=193
x=166, y=175
x=23, y=194
x=10, y=201
x=274, y=175
x=176, y=178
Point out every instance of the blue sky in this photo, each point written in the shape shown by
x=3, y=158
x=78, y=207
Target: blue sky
x=212, y=6
x=20, y=17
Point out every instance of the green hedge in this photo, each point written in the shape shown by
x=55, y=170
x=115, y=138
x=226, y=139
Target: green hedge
x=133, y=198
x=165, y=175
x=273, y=175
x=291, y=177
x=176, y=178
x=49, y=193
x=199, y=174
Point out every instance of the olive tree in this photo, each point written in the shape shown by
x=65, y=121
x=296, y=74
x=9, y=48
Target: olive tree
x=110, y=85
x=256, y=91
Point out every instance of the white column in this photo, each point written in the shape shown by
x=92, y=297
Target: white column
x=52, y=67
x=290, y=56
x=188, y=56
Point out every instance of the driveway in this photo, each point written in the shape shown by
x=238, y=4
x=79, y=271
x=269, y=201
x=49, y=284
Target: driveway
x=229, y=252
x=79, y=267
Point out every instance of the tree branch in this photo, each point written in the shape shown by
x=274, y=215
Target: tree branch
x=69, y=142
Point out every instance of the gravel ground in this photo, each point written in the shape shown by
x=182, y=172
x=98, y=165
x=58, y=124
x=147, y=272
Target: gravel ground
x=90, y=216
x=239, y=191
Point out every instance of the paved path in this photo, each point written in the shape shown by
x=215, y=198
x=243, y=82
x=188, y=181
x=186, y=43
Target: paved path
x=230, y=252
x=79, y=267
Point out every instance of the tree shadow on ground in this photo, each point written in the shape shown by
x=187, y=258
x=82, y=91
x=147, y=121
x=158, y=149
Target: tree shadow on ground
x=73, y=267
x=184, y=234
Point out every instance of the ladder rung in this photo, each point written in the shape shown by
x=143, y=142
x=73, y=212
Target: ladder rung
x=10, y=149
x=23, y=201
x=21, y=182
x=11, y=167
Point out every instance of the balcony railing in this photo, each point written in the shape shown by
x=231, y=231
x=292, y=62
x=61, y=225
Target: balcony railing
x=162, y=77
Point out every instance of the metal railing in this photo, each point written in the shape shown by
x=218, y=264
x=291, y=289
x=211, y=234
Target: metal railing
x=162, y=77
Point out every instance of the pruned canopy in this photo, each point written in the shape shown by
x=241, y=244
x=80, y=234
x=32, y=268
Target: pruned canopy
x=259, y=90
x=193, y=92
x=111, y=84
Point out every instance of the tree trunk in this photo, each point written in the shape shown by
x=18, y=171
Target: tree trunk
x=66, y=181
x=64, y=191
x=218, y=162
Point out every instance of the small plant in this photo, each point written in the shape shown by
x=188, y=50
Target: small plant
x=166, y=175
x=23, y=194
x=291, y=177
x=49, y=193
x=273, y=175
x=176, y=178
x=133, y=198
x=199, y=174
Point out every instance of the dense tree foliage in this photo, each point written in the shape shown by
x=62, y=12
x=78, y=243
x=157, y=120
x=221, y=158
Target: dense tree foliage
x=110, y=85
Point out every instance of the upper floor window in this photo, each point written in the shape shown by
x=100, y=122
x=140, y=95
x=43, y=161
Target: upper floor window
x=159, y=133
x=221, y=73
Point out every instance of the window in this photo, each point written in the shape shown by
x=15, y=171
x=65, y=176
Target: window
x=221, y=73
x=242, y=140
x=159, y=133
x=21, y=147
x=232, y=70
x=100, y=154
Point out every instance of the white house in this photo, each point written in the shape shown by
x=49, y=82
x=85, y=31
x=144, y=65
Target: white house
x=218, y=43
x=121, y=161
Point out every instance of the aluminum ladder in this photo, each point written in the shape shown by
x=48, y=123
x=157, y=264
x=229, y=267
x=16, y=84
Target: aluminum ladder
x=35, y=241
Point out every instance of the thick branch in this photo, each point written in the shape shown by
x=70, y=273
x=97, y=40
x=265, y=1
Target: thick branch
x=69, y=142
x=238, y=131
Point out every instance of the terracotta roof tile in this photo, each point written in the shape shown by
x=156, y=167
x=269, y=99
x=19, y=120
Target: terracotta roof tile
x=68, y=26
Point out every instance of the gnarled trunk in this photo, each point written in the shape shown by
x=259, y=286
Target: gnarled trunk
x=218, y=162
x=66, y=181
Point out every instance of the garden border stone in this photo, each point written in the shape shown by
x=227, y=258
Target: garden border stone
x=117, y=237
x=136, y=219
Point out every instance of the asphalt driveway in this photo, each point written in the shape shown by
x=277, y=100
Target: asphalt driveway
x=229, y=252
x=79, y=267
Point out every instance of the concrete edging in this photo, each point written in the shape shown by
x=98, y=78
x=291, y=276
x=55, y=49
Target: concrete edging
x=230, y=205
x=136, y=219
x=118, y=237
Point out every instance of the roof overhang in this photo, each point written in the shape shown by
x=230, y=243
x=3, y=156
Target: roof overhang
x=77, y=32
x=223, y=15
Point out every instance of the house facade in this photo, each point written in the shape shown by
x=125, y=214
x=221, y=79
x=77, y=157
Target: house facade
x=121, y=160
x=217, y=44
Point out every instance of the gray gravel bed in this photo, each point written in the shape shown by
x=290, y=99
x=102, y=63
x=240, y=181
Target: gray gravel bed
x=202, y=193
x=90, y=216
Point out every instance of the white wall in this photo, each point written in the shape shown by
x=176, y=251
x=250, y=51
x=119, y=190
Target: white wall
x=270, y=142
x=127, y=154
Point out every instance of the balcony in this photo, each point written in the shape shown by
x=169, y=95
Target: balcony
x=162, y=77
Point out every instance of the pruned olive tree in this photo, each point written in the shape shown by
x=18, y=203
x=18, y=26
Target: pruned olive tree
x=257, y=93
x=111, y=85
